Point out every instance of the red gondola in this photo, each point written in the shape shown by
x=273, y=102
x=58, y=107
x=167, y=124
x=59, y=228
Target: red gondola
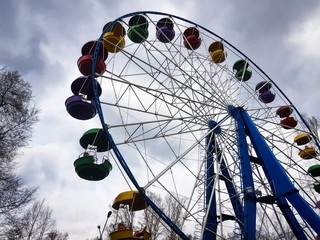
x=89, y=48
x=288, y=123
x=284, y=111
x=191, y=38
x=85, y=65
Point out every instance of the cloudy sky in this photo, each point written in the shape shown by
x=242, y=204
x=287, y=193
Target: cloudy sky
x=43, y=39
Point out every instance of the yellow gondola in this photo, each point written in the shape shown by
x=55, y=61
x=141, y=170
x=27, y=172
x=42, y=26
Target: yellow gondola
x=131, y=198
x=135, y=202
x=217, y=53
x=127, y=233
x=302, y=139
x=113, y=40
x=308, y=153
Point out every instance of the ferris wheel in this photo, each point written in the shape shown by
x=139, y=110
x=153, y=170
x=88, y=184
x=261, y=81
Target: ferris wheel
x=186, y=114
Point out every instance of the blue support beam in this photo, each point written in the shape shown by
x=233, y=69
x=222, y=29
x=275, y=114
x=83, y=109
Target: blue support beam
x=233, y=195
x=212, y=220
x=291, y=219
x=249, y=202
x=213, y=154
x=280, y=183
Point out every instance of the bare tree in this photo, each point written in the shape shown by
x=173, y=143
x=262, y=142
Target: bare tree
x=314, y=124
x=174, y=210
x=17, y=116
x=56, y=235
x=13, y=192
x=35, y=223
x=151, y=220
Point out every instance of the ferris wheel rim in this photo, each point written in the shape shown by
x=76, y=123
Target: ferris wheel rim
x=97, y=98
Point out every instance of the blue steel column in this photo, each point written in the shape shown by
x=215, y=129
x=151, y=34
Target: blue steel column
x=212, y=222
x=233, y=195
x=280, y=183
x=249, y=202
x=213, y=153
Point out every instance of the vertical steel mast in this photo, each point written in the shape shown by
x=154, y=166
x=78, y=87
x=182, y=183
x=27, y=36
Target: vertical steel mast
x=282, y=188
x=214, y=153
